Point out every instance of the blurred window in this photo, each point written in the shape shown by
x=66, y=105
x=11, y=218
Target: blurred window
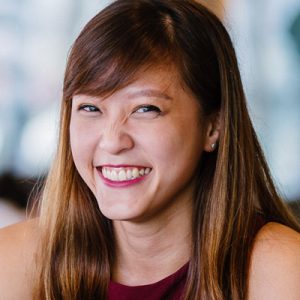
x=267, y=38
x=35, y=37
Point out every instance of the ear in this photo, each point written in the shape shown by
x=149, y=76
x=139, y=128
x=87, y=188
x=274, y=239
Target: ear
x=212, y=134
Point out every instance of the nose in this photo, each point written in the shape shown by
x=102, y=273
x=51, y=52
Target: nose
x=115, y=139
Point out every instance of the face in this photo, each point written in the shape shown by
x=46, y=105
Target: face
x=138, y=149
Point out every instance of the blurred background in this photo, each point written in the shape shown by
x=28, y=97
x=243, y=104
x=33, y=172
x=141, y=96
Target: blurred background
x=36, y=35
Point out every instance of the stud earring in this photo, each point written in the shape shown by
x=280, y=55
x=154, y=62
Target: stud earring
x=213, y=146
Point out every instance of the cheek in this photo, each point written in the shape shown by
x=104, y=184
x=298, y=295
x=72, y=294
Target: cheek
x=174, y=142
x=82, y=147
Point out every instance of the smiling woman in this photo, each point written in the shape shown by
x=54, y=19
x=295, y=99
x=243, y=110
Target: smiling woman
x=124, y=146
x=159, y=189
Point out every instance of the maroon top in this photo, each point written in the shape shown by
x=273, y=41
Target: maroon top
x=170, y=287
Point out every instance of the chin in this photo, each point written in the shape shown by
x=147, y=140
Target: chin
x=118, y=213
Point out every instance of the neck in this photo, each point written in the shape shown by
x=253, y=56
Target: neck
x=149, y=252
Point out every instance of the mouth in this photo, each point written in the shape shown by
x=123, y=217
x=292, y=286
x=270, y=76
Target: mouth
x=123, y=174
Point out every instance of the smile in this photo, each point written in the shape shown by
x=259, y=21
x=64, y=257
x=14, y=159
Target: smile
x=124, y=174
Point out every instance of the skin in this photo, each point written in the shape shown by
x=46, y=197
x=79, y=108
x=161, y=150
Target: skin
x=152, y=217
x=121, y=130
x=275, y=264
x=17, y=250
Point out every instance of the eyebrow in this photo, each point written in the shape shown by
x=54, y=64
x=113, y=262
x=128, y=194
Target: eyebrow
x=150, y=93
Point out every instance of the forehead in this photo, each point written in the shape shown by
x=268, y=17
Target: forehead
x=156, y=78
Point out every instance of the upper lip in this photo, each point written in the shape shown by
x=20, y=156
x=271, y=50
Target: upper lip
x=121, y=166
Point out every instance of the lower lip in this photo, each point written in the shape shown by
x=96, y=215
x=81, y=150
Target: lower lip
x=120, y=184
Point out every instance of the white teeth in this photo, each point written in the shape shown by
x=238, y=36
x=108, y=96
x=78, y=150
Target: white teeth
x=104, y=172
x=128, y=174
x=123, y=174
x=114, y=175
x=135, y=173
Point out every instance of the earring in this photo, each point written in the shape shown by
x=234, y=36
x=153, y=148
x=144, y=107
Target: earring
x=213, y=146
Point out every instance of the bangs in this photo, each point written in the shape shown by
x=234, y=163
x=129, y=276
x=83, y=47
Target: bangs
x=111, y=49
x=118, y=73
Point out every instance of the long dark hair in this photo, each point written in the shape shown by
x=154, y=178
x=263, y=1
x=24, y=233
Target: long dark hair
x=77, y=245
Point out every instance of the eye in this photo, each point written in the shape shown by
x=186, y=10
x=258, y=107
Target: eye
x=148, y=109
x=88, y=108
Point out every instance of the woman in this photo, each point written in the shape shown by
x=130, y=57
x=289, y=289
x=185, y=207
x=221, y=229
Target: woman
x=159, y=189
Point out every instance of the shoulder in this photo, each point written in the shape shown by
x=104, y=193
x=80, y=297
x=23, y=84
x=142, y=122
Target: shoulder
x=275, y=264
x=17, y=248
